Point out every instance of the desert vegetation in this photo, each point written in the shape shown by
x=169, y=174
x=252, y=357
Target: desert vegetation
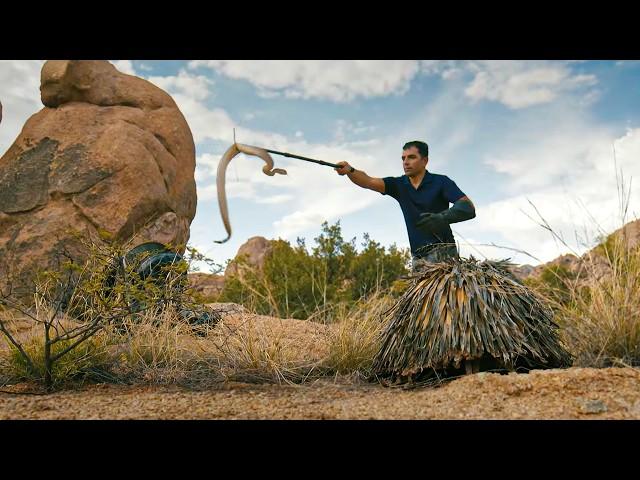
x=305, y=314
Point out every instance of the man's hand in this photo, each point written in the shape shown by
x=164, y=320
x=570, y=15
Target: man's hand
x=432, y=223
x=462, y=210
x=344, y=168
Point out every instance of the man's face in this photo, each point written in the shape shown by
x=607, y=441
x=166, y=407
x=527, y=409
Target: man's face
x=412, y=162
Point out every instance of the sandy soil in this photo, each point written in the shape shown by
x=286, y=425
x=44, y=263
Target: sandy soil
x=576, y=393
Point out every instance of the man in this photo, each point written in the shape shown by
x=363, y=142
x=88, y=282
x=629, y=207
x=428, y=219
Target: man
x=424, y=198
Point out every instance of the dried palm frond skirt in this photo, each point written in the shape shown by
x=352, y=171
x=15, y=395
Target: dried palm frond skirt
x=462, y=312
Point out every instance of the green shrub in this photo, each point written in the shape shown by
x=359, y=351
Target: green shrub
x=90, y=360
x=296, y=283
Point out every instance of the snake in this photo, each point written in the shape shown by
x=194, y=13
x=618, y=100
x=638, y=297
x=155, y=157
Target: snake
x=232, y=152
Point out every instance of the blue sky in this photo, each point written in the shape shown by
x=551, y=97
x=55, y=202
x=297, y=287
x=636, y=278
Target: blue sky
x=509, y=133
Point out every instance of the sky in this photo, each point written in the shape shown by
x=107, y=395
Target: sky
x=529, y=142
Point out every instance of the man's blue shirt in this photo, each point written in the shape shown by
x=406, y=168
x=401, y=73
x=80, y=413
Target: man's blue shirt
x=433, y=195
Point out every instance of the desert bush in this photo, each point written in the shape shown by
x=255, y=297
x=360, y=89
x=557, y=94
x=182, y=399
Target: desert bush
x=89, y=361
x=598, y=305
x=77, y=301
x=601, y=319
x=296, y=283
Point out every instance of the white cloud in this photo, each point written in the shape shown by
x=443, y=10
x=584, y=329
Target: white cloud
x=206, y=166
x=320, y=194
x=233, y=189
x=336, y=80
x=515, y=84
x=446, y=123
x=299, y=221
x=190, y=93
x=125, y=66
x=20, y=97
x=628, y=63
x=197, y=87
x=591, y=97
x=276, y=199
x=447, y=69
x=538, y=154
x=327, y=202
x=205, y=123
x=452, y=73
x=523, y=84
x=571, y=181
x=344, y=129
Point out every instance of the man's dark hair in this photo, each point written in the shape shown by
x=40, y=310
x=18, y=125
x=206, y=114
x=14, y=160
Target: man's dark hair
x=422, y=147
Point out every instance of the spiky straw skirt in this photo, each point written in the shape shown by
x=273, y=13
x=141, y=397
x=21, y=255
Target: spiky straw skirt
x=467, y=310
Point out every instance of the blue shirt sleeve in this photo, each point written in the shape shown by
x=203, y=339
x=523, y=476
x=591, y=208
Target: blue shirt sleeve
x=451, y=191
x=390, y=187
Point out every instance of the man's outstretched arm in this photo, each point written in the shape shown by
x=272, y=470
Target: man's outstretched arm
x=360, y=178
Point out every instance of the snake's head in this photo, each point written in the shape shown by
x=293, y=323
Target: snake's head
x=272, y=171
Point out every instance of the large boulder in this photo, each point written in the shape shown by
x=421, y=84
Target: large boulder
x=206, y=285
x=110, y=154
x=567, y=261
x=253, y=253
x=521, y=272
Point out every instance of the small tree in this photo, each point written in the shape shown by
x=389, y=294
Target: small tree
x=76, y=301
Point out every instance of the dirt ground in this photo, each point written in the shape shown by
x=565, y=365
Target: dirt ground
x=576, y=393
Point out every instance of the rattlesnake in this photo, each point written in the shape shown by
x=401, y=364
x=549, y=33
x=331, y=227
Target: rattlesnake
x=233, y=151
